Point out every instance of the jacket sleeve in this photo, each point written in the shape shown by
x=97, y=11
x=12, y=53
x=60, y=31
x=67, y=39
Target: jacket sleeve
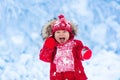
x=83, y=52
x=79, y=46
x=46, y=54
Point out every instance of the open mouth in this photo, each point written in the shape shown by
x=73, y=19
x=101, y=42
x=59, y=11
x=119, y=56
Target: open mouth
x=62, y=40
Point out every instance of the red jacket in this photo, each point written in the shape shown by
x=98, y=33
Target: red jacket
x=47, y=55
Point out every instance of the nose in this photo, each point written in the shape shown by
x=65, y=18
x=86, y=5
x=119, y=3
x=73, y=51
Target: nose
x=61, y=33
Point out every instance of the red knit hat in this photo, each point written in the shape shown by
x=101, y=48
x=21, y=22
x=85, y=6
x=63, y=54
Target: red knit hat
x=61, y=24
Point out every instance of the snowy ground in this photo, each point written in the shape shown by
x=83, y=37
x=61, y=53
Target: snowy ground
x=20, y=40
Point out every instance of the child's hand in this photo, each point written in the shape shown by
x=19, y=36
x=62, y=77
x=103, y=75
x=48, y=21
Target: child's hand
x=86, y=53
x=50, y=43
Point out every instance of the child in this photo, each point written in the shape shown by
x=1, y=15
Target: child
x=62, y=51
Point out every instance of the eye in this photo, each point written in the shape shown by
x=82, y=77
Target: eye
x=57, y=31
x=64, y=31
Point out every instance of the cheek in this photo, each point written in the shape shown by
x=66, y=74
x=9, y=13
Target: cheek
x=67, y=36
x=56, y=37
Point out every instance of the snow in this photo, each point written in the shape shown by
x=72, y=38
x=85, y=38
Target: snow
x=20, y=38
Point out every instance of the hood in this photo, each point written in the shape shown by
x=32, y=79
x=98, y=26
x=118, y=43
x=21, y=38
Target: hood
x=47, y=30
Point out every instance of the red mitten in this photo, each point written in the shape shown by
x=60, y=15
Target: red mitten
x=87, y=55
x=50, y=43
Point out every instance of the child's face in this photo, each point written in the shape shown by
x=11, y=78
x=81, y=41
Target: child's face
x=61, y=36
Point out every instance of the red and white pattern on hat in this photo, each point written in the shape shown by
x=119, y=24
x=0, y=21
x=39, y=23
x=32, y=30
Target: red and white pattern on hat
x=61, y=24
x=64, y=57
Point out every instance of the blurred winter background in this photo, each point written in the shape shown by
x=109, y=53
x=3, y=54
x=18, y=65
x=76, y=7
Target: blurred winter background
x=21, y=21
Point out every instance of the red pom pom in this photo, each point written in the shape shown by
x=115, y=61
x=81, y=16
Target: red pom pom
x=61, y=16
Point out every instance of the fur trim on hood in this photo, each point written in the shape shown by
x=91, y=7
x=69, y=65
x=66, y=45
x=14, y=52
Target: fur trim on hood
x=47, y=31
